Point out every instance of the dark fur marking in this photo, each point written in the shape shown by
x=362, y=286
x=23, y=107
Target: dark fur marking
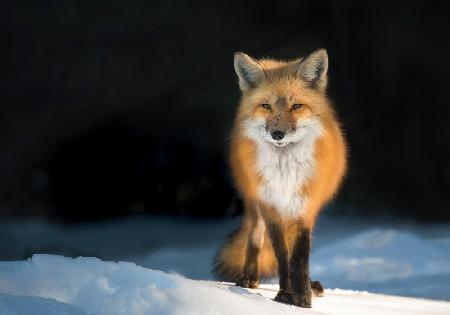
x=281, y=252
x=317, y=288
x=247, y=77
x=319, y=69
x=281, y=102
x=299, y=269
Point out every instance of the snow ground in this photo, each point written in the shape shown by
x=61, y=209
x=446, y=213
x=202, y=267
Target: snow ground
x=47, y=284
x=404, y=259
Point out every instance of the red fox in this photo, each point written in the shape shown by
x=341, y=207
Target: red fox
x=288, y=158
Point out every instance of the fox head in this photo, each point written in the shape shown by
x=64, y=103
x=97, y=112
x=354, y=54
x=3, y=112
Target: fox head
x=282, y=101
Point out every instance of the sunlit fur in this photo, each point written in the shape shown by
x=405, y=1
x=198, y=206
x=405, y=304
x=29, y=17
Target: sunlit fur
x=291, y=179
x=278, y=172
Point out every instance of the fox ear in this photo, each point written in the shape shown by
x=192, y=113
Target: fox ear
x=248, y=70
x=313, y=69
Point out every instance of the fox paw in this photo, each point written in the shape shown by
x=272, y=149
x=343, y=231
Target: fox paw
x=284, y=297
x=317, y=288
x=302, y=299
x=247, y=282
x=297, y=299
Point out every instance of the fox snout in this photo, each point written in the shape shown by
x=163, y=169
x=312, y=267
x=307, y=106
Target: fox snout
x=277, y=135
x=279, y=125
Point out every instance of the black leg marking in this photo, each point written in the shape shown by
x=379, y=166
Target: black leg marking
x=317, y=288
x=299, y=270
x=281, y=252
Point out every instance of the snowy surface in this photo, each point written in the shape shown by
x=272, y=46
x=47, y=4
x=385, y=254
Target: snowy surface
x=48, y=284
x=385, y=260
x=30, y=305
x=381, y=256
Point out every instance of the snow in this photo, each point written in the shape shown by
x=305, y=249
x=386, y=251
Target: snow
x=29, y=305
x=375, y=256
x=387, y=261
x=48, y=284
x=395, y=259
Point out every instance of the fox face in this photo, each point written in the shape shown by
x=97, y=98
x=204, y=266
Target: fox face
x=282, y=101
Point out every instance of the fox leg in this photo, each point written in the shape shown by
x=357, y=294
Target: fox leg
x=250, y=275
x=293, y=265
x=299, y=269
x=275, y=230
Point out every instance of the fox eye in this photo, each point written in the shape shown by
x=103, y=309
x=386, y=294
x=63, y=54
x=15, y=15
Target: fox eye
x=266, y=106
x=297, y=106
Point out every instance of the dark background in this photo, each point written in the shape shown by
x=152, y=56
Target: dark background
x=119, y=107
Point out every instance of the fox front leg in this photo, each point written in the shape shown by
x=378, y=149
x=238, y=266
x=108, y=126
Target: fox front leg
x=299, y=270
x=281, y=252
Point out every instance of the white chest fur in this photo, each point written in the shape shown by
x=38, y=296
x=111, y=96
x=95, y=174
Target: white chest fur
x=284, y=170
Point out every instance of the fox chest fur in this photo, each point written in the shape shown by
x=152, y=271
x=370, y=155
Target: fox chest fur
x=284, y=171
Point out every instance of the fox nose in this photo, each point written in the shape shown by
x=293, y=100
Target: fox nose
x=277, y=134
